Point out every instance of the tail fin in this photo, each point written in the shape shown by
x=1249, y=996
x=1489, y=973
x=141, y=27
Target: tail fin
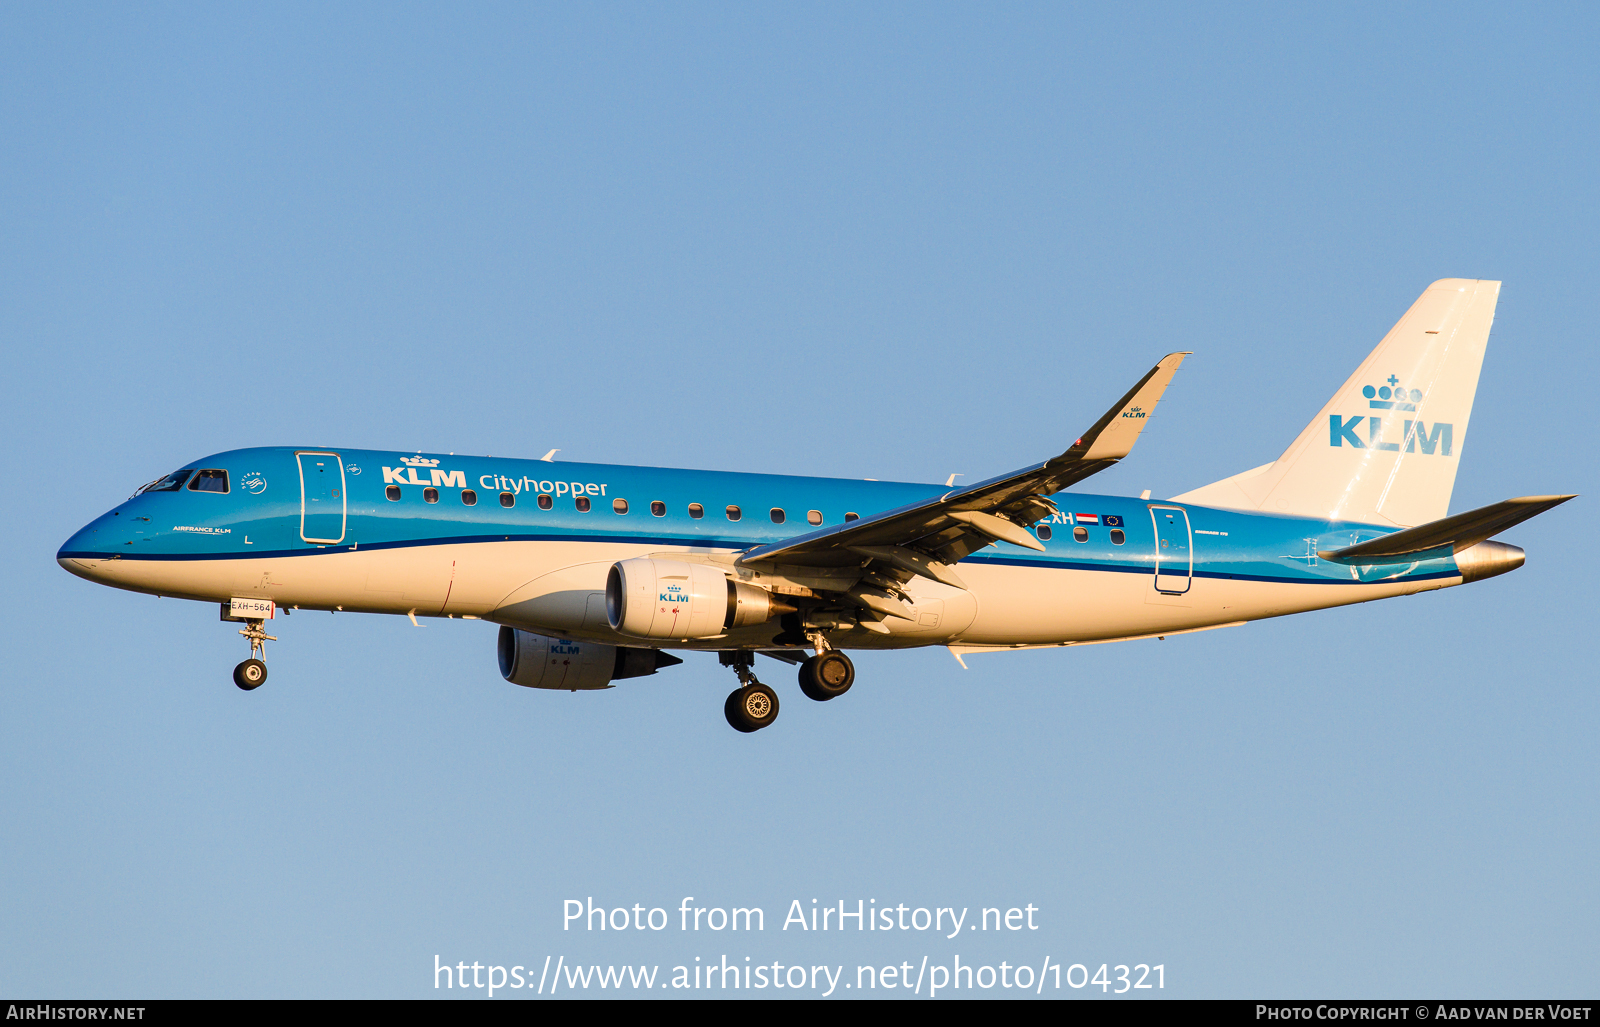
x=1385, y=447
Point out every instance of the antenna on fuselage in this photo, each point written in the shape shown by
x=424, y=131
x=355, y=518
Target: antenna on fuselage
x=550, y=457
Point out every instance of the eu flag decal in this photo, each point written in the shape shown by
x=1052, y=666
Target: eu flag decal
x=1111, y=521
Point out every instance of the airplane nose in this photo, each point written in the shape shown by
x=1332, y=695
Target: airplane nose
x=82, y=568
x=82, y=553
x=79, y=542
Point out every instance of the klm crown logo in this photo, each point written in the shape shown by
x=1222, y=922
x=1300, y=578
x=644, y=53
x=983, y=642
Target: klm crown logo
x=1415, y=434
x=1391, y=396
x=1136, y=413
x=419, y=461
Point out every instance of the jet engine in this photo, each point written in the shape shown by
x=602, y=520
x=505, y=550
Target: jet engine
x=673, y=599
x=539, y=661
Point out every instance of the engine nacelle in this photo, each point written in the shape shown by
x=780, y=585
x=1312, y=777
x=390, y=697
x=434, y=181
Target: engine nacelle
x=539, y=661
x=674, y=599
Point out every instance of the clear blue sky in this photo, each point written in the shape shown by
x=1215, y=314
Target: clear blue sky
x=886, y=241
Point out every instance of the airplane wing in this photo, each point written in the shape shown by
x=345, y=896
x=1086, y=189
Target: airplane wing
x=926, y=538
x=1461, y=531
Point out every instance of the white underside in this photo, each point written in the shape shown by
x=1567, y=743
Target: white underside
x=559, y=588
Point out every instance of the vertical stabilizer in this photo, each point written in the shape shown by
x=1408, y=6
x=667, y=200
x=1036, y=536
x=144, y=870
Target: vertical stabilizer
x=1385, y=448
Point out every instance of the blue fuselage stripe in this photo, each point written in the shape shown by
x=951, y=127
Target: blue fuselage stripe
x=262, y=516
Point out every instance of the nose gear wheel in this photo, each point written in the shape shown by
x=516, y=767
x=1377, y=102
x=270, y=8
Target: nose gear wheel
x=252, y=673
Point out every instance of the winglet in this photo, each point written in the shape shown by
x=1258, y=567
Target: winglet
x=1113, y=436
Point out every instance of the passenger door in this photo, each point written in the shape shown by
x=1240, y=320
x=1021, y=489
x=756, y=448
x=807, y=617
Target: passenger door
x=1174, y=549
x=322, y=498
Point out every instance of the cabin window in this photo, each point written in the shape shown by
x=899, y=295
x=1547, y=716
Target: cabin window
x=813, y=516
x=545, y=502
x=848, y=517
x=209, y=481
x=393, y=492
x=734, y=513
x=1044, y=532
x=508, y=500
x=430, y=495
x=1117, y=537
x=1080, y=534
x=658, y=508
x=582, y=503
x=620, y=505
x=696, y=511
x=778, y=515
x=469, y=497
x=172, y=482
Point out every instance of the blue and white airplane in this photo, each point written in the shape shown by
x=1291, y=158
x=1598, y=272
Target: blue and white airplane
x=593, y=570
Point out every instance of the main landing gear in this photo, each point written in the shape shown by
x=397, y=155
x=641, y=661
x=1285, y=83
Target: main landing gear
x=250, y=674
x=753, y=705
x=827, y=675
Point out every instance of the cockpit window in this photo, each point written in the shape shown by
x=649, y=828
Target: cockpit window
x=209, y=481
x=171, y=483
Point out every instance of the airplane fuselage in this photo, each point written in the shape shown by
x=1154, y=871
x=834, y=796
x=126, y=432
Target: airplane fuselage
x=529, y=543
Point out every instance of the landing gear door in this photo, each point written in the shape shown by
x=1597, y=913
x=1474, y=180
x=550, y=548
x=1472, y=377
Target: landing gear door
x=322, y=497
x=1174, y=549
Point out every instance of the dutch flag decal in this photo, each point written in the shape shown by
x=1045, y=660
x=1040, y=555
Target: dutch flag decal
x=1086, y=518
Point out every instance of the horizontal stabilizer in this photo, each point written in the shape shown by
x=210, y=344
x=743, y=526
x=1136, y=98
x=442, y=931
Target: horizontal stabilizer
x=1463, y=531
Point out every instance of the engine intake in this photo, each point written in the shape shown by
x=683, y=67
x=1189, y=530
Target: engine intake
x=674, y=599
x=539, y=661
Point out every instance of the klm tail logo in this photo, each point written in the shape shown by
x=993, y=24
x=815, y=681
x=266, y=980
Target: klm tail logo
x=1415, y=434
x=1136, y=413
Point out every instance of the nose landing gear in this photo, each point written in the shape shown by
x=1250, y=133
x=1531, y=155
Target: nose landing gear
x=752, y=706
x=250, y=674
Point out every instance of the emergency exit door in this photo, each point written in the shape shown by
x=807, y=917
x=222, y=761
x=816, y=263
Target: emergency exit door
x=322, y=500
x=1174, y=549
